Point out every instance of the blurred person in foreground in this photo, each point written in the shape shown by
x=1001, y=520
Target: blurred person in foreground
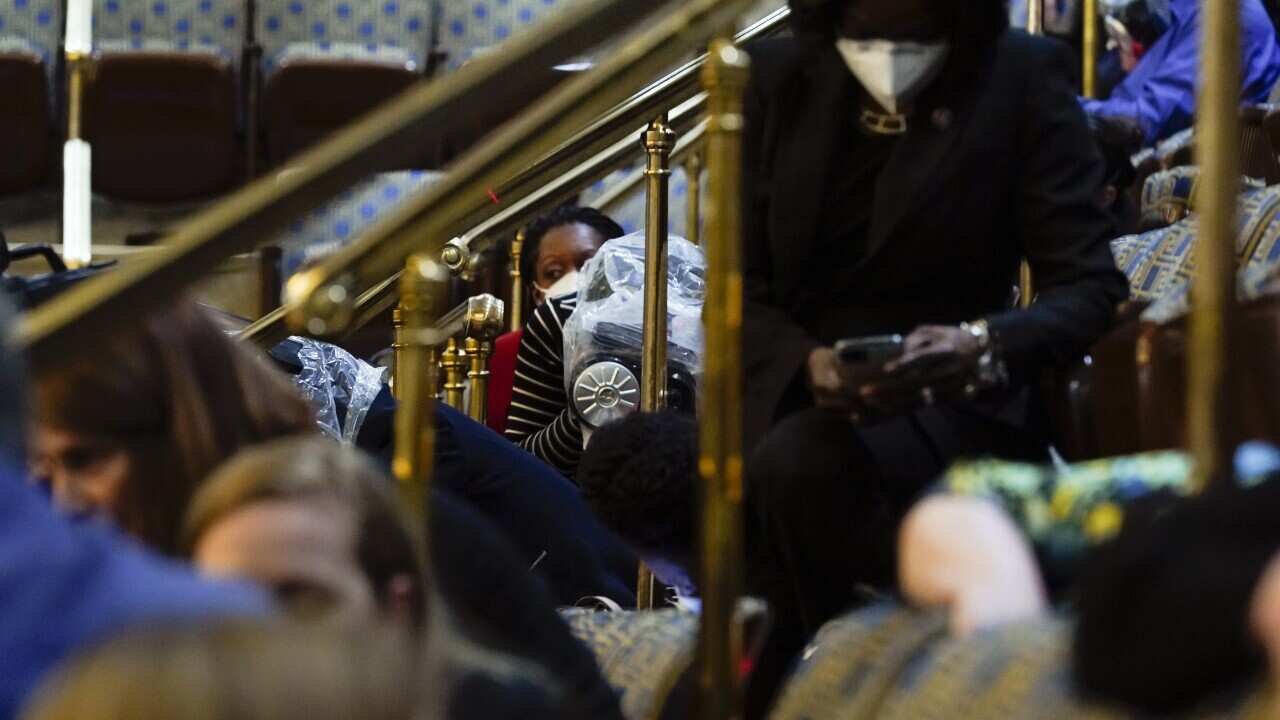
x=68, y=585
x=129, y=430
x=238, y=671
x=319, y=524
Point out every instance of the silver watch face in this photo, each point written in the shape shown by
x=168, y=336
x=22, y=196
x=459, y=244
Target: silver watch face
x=605, y=392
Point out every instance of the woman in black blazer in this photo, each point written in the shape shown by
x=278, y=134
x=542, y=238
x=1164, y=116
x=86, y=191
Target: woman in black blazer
x=900, y=158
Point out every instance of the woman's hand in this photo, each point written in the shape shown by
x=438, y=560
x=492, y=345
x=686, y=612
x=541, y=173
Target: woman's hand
x=939, y=361
x=826, y=380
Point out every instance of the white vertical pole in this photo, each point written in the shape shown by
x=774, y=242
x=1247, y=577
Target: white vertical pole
x=77, y=192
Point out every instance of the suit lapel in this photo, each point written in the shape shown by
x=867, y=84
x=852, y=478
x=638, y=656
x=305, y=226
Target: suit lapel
x=815, y=114
x=915, y=168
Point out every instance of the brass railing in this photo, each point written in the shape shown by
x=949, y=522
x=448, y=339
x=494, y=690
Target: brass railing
x=720, y=407
x=604, y=145
x=1209, y=417
x=524, y=69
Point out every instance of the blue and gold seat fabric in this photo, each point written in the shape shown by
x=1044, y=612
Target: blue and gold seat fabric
x=211, y=27
x=385, y=32
x=32, y=27
x=472, y=27
x=1160, y=263
x=334, y=226
x=641, y=654
x=892, y=663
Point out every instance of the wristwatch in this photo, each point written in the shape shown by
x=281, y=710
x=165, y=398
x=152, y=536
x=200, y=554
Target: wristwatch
x=990, y=371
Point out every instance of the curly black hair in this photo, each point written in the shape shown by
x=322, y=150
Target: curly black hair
x=973, y=25
x=563, y=215
x=640, y=474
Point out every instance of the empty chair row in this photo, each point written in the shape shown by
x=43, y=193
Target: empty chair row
x=188, y=96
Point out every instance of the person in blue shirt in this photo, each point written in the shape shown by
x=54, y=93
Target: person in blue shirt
x=1160, y=92
x=65, y=585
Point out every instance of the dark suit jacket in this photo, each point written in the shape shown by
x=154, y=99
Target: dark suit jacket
x=997, y=165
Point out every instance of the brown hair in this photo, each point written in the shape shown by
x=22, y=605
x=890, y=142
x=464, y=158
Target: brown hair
x=237, y=671
x=318, y=467
x=179, y=397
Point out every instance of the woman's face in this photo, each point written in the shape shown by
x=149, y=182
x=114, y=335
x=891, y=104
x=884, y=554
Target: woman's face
x=916, y=20
x=84, y=474
x=563, y=250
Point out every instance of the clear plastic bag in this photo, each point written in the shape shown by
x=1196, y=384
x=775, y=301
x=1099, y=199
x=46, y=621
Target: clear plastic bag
x=608, y=322
x=332, y=378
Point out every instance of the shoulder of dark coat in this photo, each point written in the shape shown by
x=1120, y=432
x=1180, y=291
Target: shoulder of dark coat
x=775, y=60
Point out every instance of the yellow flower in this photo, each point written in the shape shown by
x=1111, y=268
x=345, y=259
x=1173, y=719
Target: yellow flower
x=1103, y=522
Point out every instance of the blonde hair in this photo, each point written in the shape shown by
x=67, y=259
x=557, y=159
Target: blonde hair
x=238, y=671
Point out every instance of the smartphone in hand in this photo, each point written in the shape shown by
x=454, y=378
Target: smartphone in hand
x=873, y=351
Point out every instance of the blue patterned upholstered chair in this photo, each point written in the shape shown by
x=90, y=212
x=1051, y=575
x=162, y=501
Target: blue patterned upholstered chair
x=327, y=62
x=896, y=664
x=163, y=112
x=470, y=27
x=30, y=33
x=332, y=227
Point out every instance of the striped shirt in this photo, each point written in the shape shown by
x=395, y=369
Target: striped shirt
x=540, y=420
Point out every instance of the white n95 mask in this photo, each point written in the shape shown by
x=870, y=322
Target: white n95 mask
x=568, y=283
x=893, y=73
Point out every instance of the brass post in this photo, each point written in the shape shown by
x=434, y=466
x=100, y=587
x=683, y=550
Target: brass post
x=397, y=348
x=484, y=323
x=1035, y=17
x=720, y=414
x=1089, y=48
x=77, y=214
x=658, y=140
x=414, y=429
x=1026, y=288
x=693, y=197
x=478, y=378
x=77, y=72
x=453, y=364
x=1213, y=296
x=517, y=282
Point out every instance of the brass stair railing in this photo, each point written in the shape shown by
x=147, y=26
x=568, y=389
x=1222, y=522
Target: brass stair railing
x=376, y=143
x=603, y=145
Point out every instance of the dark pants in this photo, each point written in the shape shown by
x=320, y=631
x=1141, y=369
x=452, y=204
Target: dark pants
x=824, y=502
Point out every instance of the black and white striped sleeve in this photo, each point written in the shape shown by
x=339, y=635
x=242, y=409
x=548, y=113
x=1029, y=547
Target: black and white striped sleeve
x=540, y=420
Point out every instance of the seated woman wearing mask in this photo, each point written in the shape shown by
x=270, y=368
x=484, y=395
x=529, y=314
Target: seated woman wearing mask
x=555, y=249
x=900, y=158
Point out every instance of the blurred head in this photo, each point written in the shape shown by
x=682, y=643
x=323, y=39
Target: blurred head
x=639, y=475
x=317, y=523
x=559, y=244
x=967, y=25
x=243, y=671
x=130, y=429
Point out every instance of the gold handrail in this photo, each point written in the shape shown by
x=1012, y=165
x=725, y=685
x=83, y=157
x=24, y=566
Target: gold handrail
x=1209, y=433
x=554, y=177
x=61, y=327
x=322, y=298
x=720, y=413
x=621, y=121
x=688, y=144
x=458, y=252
